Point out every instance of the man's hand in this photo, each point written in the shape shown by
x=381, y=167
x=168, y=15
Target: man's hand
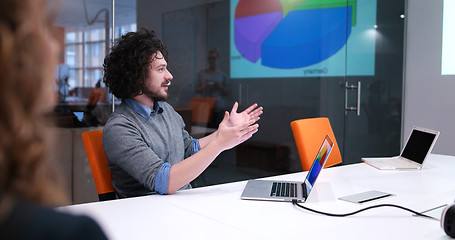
x=228, y=136
x=251, y=113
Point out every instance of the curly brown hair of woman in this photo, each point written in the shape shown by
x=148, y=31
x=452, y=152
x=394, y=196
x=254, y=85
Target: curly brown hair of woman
x=26, y=93
x=126, y=67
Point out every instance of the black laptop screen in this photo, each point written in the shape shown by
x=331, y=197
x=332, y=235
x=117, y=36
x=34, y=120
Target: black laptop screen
x=418, y=145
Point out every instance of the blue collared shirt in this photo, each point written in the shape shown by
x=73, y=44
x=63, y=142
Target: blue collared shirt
x=162, y=177
x=143, y=110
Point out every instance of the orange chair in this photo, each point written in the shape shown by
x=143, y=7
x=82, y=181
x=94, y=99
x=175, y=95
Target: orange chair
x=202, y=109
x=97, y=95
x=308, y=136
x=93, y=144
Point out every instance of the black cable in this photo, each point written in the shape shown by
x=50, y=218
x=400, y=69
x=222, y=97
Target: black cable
x=294, y=201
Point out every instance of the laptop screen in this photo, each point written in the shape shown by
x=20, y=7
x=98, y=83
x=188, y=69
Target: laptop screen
x=419, y=144
x=79, y=115
x=318, y=164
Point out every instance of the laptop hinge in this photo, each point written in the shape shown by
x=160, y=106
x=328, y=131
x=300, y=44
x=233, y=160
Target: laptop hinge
x=304, y=190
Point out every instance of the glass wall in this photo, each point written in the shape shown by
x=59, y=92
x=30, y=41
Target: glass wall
x=371, y=53
x=207, y=61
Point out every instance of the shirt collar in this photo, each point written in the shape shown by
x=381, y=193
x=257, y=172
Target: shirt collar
x=143, y=110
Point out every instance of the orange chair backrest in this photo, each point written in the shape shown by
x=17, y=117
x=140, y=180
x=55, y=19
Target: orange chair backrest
x=93, y=144
x=202, y=109
x=96, y=96
x=308, y=136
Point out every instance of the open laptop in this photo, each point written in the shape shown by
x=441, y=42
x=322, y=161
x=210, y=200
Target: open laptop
x=287, y=190
x=419, y=145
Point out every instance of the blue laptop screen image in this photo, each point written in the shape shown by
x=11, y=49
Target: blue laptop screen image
x=318, y=164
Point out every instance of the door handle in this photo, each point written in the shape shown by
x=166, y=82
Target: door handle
x=351, y=87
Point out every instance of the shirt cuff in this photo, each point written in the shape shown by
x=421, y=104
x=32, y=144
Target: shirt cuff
x=196, y=146
x=162, y=179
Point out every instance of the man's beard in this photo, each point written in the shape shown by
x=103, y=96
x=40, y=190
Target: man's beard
x=155, y=95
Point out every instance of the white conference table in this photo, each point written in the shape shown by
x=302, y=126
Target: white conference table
x=217, y=212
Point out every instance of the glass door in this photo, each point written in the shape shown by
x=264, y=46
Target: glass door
x=373, y=87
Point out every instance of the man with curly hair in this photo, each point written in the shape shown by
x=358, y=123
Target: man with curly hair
x=145, y=142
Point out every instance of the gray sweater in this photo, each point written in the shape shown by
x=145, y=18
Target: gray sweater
x=137, y=147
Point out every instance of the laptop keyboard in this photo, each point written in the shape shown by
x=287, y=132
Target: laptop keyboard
x=284, y=190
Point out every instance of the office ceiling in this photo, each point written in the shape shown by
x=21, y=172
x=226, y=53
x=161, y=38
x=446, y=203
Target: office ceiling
x=72, y=15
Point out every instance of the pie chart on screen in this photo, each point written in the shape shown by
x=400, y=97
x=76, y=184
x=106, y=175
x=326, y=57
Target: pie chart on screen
x=288, y=34
x=322, y=154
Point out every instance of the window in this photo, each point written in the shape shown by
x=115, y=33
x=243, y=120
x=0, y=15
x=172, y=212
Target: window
x=85, y=52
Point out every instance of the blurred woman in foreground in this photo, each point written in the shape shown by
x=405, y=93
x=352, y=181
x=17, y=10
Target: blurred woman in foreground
x=29, y=186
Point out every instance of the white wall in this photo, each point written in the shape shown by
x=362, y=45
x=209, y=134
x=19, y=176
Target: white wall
x=429, y=99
